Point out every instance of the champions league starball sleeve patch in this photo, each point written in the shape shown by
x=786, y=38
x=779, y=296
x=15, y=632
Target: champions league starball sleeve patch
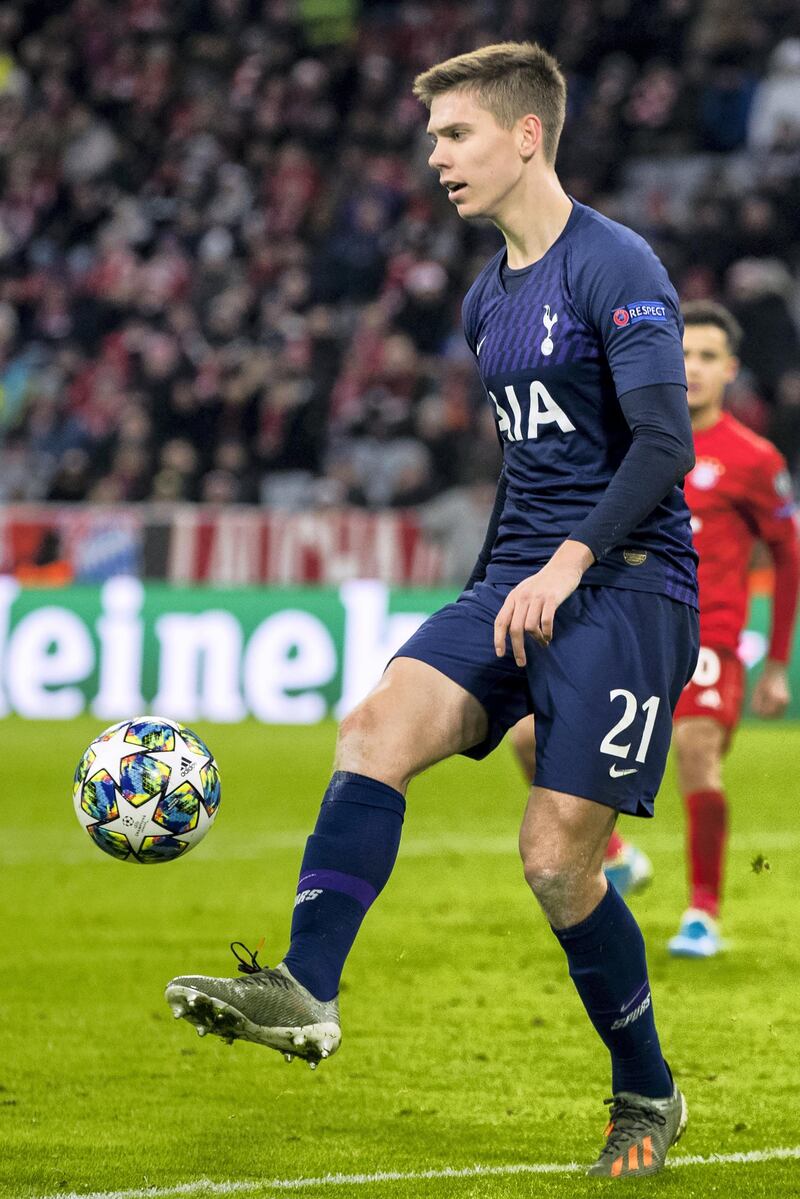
x=639, y=310
x=783, y=489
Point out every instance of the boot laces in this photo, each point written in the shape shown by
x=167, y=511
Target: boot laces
x=627, y=1120
x=248, y=963
x=247, y=959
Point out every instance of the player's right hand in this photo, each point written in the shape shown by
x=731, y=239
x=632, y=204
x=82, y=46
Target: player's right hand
x=530, y=607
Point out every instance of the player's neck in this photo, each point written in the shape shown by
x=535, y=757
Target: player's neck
x=705, y=418
x=533, y=218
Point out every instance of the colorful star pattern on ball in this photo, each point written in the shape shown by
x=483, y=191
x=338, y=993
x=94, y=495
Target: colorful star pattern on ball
x=146, y=790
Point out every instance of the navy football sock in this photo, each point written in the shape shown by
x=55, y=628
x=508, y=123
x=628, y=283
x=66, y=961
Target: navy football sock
x=347, y=862
x=607, y=964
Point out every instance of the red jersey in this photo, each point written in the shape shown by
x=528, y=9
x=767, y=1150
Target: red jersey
x=740, y=492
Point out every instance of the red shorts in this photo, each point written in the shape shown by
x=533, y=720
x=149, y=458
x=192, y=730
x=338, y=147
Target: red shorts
x=716, y=688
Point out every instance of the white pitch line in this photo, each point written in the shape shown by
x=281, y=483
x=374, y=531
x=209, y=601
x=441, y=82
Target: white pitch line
x=753, y=1157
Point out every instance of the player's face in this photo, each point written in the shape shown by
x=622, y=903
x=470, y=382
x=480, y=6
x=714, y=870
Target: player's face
x=470, y=149
x=710, y=366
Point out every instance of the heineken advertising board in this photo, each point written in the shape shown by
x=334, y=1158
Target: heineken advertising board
x=283, y=656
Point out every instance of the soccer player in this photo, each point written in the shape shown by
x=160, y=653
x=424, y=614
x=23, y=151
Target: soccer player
x=739, y=492
x=582, y=607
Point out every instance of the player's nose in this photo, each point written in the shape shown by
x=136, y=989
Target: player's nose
x=437, y=159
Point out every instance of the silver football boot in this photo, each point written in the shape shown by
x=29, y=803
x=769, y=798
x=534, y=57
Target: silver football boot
x=639, y=1134
x=268, y=1006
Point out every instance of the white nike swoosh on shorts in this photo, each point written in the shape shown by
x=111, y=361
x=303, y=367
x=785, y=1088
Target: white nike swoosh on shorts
x=618, y=774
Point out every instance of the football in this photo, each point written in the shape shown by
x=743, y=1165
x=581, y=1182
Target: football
x=146, y=790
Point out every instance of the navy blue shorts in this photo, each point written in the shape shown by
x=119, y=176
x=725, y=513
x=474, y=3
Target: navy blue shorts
x=602, y=692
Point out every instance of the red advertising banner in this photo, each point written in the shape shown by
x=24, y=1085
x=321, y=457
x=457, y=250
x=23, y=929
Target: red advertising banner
x=195, y=543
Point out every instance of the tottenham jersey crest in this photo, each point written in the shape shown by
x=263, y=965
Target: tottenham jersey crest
x=548, y=321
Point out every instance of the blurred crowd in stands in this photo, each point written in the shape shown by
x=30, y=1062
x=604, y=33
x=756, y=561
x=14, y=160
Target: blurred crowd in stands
x=228, y=275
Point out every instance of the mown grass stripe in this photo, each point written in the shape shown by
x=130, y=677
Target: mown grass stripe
x=28, y=851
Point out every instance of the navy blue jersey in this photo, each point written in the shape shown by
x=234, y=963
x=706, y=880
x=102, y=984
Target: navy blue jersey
x=595, y=318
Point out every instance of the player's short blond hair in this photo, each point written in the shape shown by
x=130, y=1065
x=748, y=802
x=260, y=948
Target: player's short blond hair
x=509, y=80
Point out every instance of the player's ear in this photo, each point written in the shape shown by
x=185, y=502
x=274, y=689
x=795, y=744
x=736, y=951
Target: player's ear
x=733, y=369
x=529, y=135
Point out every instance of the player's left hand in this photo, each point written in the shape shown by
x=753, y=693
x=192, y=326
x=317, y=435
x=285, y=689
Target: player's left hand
x=530, y=607
x=771, y=693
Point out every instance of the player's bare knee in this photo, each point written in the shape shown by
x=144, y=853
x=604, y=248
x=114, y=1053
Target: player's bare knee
x=698, y=751
x=549, y=884
x=359, y=746
x=357, y=729
x=565, y=893
x=699, y=775
x=546, y=873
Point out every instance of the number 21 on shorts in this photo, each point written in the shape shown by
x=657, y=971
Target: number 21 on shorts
x=609, y=744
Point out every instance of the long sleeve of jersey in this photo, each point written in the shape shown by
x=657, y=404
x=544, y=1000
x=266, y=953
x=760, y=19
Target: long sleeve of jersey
x=786, y=560
x=771, y=507
x=660, y=454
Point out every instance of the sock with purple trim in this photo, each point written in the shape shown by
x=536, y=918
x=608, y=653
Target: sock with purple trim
x=347, y=863
x=607, y=964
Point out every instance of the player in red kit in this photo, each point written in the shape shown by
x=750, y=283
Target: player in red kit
x=739, y=493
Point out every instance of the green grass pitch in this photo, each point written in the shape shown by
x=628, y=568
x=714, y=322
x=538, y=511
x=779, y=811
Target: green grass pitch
x=464, y=1042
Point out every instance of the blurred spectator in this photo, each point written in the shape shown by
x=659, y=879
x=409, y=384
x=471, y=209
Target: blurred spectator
x=725, y=102
x=776, y=103
x=784, y=428
x=759, y=294
x=229, y=275
x=424, y=312
x=72, y=478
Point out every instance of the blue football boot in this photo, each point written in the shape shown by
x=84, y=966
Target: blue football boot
x=697, y=937
x=630, y=871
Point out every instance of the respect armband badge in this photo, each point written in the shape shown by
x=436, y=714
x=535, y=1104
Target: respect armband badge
x=640, y=310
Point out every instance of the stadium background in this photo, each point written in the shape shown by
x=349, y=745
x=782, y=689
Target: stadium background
x=242, y=450
x=230, y=300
